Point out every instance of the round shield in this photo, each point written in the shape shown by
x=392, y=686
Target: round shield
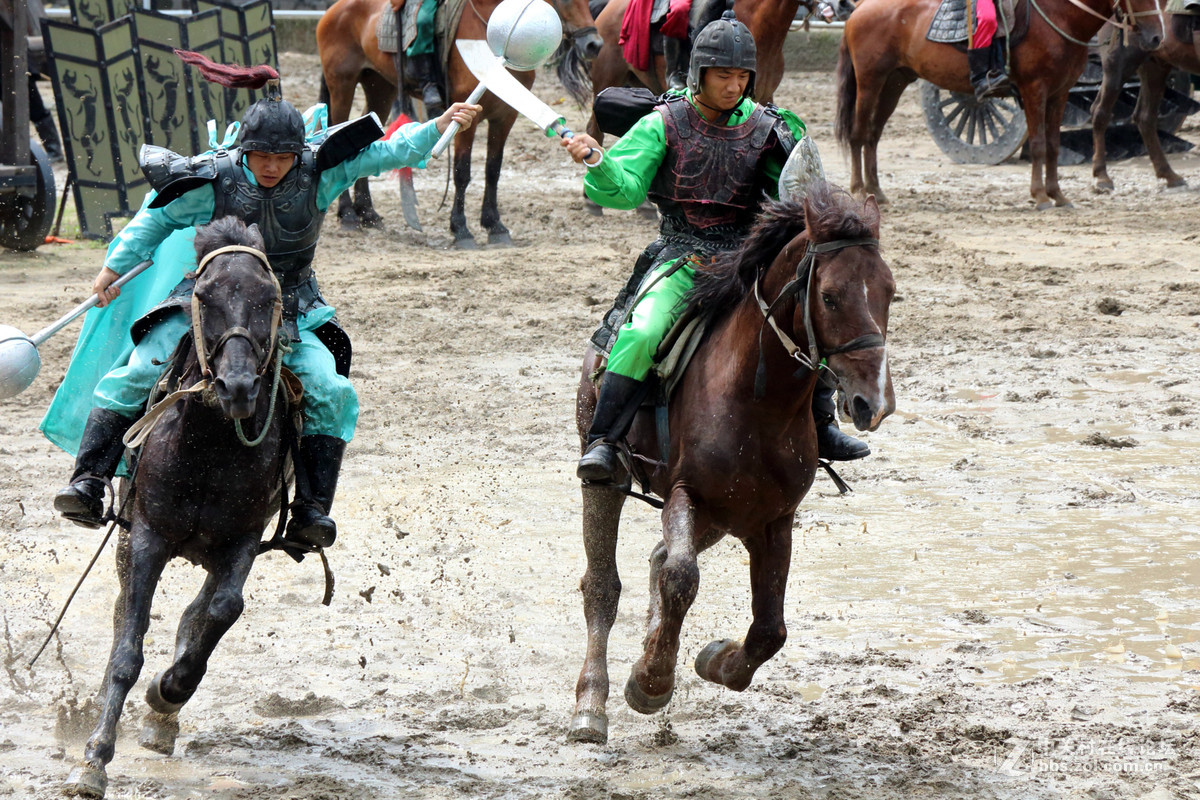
x=524, y=33
x=19, y=362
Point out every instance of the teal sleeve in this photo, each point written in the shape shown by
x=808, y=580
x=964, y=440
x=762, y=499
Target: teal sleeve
x=409, y=146
x=148, y=229
x=623, y=177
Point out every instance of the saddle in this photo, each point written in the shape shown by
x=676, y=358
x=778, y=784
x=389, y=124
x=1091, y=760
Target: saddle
x=951, y=23
x=396, y=37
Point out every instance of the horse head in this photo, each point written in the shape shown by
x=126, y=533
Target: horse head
x=579, y=26
x=236, y=311
x=1141, y=19
x=850, y=290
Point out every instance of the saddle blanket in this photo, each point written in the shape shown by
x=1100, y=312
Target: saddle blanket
x=950, y=26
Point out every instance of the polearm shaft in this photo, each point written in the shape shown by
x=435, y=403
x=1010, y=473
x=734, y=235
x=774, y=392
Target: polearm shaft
x=451, y=131
x=48, y=331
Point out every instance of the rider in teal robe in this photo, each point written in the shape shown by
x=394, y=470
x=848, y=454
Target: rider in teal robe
x=272, y=155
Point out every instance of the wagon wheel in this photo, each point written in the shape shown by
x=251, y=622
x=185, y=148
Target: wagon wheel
x=971, y=132
x=25, y=220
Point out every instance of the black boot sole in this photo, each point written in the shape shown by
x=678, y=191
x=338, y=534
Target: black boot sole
x=79, y=511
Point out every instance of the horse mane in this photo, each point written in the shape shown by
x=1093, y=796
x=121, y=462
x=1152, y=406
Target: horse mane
x=224, y=232
x=728, y=277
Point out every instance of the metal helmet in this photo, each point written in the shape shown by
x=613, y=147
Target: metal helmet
x=272, y=125
x=725, y=42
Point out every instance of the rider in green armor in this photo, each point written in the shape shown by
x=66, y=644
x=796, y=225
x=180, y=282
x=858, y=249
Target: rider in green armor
x=705, y=158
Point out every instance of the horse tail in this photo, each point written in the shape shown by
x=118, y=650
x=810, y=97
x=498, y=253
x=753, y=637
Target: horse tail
x=847, y=94
x=573, y=72
x=323, y=92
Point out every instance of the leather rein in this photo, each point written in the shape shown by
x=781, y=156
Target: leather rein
x=1127, y=27
x=800, y=287
x=264, y=357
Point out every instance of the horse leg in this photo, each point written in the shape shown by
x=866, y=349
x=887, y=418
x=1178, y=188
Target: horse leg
x=1102, y=111
x=601, y=588
x=885, y=105
x=341, y=98
x=864, y=173
x=489, y=215
x=652, y=680
x=1054, y=114
x=1034, y=96
x=147, y=555
x=1153, y=75
x=463, y=239
x=217, y=606
x=379, y=94
x=733, y=665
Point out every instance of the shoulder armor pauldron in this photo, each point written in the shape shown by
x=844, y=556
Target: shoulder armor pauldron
x=172, y=175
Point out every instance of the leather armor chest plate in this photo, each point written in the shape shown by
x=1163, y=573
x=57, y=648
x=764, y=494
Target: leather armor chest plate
x=711, y=174
x=286, y=214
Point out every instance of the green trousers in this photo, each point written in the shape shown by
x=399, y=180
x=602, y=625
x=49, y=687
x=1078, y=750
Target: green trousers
x=648, y=323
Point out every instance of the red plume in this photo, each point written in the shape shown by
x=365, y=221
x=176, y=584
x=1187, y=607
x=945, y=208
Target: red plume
x=229, y=75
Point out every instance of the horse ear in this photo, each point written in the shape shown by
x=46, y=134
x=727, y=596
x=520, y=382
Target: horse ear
x=255, y=234
x=871, y=212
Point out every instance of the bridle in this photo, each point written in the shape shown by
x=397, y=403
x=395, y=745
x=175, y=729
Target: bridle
x=800, y=287
x=1121, y=8
x=264, y=357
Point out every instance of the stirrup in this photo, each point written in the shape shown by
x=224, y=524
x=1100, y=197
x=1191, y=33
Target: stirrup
x=76, y=504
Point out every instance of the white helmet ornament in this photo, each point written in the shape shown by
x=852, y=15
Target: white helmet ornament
x=524, y=33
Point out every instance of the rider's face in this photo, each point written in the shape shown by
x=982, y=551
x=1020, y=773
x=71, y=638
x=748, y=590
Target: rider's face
x=722, y=87
x=269, y=168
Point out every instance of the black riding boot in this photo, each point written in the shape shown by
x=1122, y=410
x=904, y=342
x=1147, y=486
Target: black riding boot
x=987, y=71
x=321, y=460
x=832, y=444
x=99, y=454
x=47, y=131
x=610, y=423
x=428, y=74
x=678, y=53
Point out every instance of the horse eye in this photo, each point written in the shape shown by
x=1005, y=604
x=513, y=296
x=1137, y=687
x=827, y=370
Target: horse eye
x=829, y=300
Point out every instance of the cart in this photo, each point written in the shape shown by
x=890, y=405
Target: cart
x=27, y=190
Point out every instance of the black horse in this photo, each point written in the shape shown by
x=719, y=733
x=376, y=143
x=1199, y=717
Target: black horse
x=206, y=483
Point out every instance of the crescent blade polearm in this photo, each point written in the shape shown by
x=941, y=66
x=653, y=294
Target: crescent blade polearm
x=490, y=71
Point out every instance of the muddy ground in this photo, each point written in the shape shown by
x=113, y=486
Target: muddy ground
x=1005, y=607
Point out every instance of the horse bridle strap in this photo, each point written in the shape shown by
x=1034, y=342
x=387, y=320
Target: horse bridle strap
x=261, y=355
x=1116, y=23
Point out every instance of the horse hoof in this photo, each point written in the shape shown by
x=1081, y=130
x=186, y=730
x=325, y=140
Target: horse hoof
x=155, y=700
x=1102, y=187
x=1045, y=206
x=588, y=727
x=371, y=220
x=711, y=652
x=643, y=703
x=593, y=208
x=501, y=239
x=85, y=780
x=1177, y=184
x=466, y=243
x=647, y=212
x=350, y=223
x=159, y=732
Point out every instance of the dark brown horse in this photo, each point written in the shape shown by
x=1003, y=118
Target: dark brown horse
x=198, y=491
x=739, y=464
x=1120, y=62
x=884, y=49
x=350, y=57
x=768, y=21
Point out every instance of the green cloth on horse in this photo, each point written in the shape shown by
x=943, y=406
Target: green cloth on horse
x=105, y=342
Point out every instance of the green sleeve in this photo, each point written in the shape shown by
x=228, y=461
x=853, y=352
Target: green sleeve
x=623, y=177
x=150, y=227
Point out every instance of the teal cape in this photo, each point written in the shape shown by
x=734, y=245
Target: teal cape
x=105, y=343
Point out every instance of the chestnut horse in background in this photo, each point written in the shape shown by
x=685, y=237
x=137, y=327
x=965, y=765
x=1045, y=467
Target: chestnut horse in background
x=350, y=56
x=743, y=448
x=1120, y=62
x=768, y=21
x=884, y=49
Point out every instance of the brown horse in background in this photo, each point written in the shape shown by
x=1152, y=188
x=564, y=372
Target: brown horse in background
x=1120, y=62
x=884, y=49
x=768, y=20
x=741, y=454
x=350, y=57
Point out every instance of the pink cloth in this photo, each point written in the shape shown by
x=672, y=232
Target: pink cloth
x=985, y=24
x=635, y=33
x=675, y=24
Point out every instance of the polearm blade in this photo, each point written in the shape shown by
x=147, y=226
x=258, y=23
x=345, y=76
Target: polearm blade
x=490, y=71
